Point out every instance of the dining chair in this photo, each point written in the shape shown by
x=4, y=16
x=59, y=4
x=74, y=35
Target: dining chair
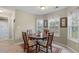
x=29, y=31
x=47, y=43
x=46, y=31
x=28, y=44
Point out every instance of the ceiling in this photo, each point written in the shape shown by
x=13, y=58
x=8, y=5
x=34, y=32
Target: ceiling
x=35, y=10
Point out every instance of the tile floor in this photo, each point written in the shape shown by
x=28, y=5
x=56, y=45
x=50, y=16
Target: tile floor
x=9, y=46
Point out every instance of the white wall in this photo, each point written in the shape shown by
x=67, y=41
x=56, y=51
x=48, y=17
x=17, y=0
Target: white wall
x=23, y=21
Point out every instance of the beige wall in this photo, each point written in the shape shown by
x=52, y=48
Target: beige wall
x=23, y=21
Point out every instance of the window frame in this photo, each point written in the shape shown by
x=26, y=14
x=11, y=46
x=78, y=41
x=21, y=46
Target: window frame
x=55, y=17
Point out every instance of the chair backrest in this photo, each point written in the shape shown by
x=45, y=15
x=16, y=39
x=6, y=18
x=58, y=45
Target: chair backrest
x=50, y=38
x=24, y=35
x=46, y=32
x=29, y=31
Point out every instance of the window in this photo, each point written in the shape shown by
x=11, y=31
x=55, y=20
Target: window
x=54, y=25
x=39, y=25
x=73, y=27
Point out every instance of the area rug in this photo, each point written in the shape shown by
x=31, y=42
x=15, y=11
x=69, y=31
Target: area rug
x=54, y=49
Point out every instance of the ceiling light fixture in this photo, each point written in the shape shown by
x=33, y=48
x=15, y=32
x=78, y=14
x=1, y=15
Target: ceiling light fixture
x=56, y=6
x=43, y=7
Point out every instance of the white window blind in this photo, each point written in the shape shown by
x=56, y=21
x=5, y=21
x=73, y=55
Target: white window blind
x=73, y=25
x=54, y=25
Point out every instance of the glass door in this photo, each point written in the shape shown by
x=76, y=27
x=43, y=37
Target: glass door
x=4, y=31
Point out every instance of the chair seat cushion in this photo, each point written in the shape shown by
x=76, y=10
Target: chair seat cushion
x=43, y=42
x=31, y=42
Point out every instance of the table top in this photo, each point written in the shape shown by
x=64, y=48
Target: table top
x=37, y=37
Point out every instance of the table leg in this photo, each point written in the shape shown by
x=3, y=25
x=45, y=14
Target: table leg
x=36, y=46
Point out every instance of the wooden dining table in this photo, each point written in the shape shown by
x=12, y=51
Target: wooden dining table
x=37, y=38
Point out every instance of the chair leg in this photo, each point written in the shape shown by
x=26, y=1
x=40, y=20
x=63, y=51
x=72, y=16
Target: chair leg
x=36, y=48
x=28, y=50
x=46, y=50
x=51, y=48
x=39, y=47
x=24, y=48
